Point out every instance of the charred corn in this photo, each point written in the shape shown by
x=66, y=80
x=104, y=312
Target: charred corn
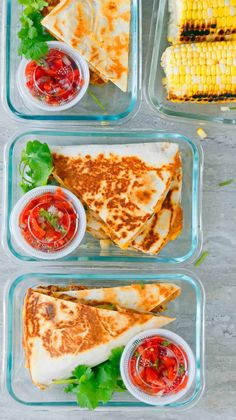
x=202, y=20
x=201, y=72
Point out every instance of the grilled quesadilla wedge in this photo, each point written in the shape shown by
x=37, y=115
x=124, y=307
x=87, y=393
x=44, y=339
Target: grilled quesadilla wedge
x=142, y=298
x=123, y=184
x=99, y=30
x=164, y=225
x=95, y=226
x=60, y=335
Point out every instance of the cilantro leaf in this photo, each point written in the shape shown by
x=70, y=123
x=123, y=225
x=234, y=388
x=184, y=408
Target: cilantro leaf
x=156, y=364
x=69, y=388
x=95, y=385
x=120, y=386
x=35, y=166
x=86, y=393
x=165, y=343
x=80, y=371
x=106, y=375
x=116, y=355
x=32, y=35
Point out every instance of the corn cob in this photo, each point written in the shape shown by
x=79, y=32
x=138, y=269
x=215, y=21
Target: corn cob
x=197, y=20
x=201, y=72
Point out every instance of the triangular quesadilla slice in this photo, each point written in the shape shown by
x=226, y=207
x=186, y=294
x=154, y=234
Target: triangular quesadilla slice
x=99, y=30
x=60, y=335
x=123, y=184
x=164, y=225
x=137, y=297
x=95, y=226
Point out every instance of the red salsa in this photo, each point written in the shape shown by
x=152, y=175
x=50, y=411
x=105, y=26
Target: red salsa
x=159, y=367
x=55, y=80
x=49, y=222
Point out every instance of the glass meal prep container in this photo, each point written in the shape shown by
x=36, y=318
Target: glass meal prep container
x=156, y=91
x=119, y=106
x=188, y=309
x=186, y=247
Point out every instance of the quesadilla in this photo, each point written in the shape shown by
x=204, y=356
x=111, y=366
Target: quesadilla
x=138, y=297
x=122, y=184
x=164, y=225
x=95, y=226
x=60, y=335
x=99, y=30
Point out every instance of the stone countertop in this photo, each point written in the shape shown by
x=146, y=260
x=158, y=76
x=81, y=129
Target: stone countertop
x=217, y=272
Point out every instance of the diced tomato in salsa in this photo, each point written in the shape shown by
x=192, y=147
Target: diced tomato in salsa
x=159, y=366
x=55, y=80
x=49, y=222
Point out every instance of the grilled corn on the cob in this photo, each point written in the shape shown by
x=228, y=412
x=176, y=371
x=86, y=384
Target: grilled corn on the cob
x=202, y=20
x=201, y=72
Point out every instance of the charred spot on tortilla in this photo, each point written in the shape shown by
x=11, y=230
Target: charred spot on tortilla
x=49, y=311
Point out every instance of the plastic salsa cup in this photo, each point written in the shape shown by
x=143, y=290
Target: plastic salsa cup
x=158, y=367
x=57, y=81
x=48, y=222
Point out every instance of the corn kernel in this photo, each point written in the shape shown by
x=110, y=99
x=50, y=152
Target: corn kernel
x=201, y=133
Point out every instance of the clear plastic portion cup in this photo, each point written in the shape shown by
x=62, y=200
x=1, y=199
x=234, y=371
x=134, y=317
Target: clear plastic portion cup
x=60, y=252
x=137, y=392
x=73, y=61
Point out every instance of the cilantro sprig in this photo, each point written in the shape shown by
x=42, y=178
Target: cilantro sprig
x=33, y=37
x=35, y=166
x=97, y=384
x=52, y=220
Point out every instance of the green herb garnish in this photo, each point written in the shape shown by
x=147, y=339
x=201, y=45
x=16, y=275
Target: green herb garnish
x=52, y=220
x=228, y=182
x=33, y=37
x=35, y=166
x=165, y=343
x=97, y=384
x=156, y=364
x=141, y=285
x=96, y=100
x=201, y=259
x=181, y=370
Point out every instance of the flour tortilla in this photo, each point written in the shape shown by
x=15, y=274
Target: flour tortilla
x=99, y=30
x=124, y=185
x=60, y=335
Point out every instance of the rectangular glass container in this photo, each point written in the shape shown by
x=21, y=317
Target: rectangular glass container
x=119, y=105
x=185, y=247
x=188, y=309
x=155, y=90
